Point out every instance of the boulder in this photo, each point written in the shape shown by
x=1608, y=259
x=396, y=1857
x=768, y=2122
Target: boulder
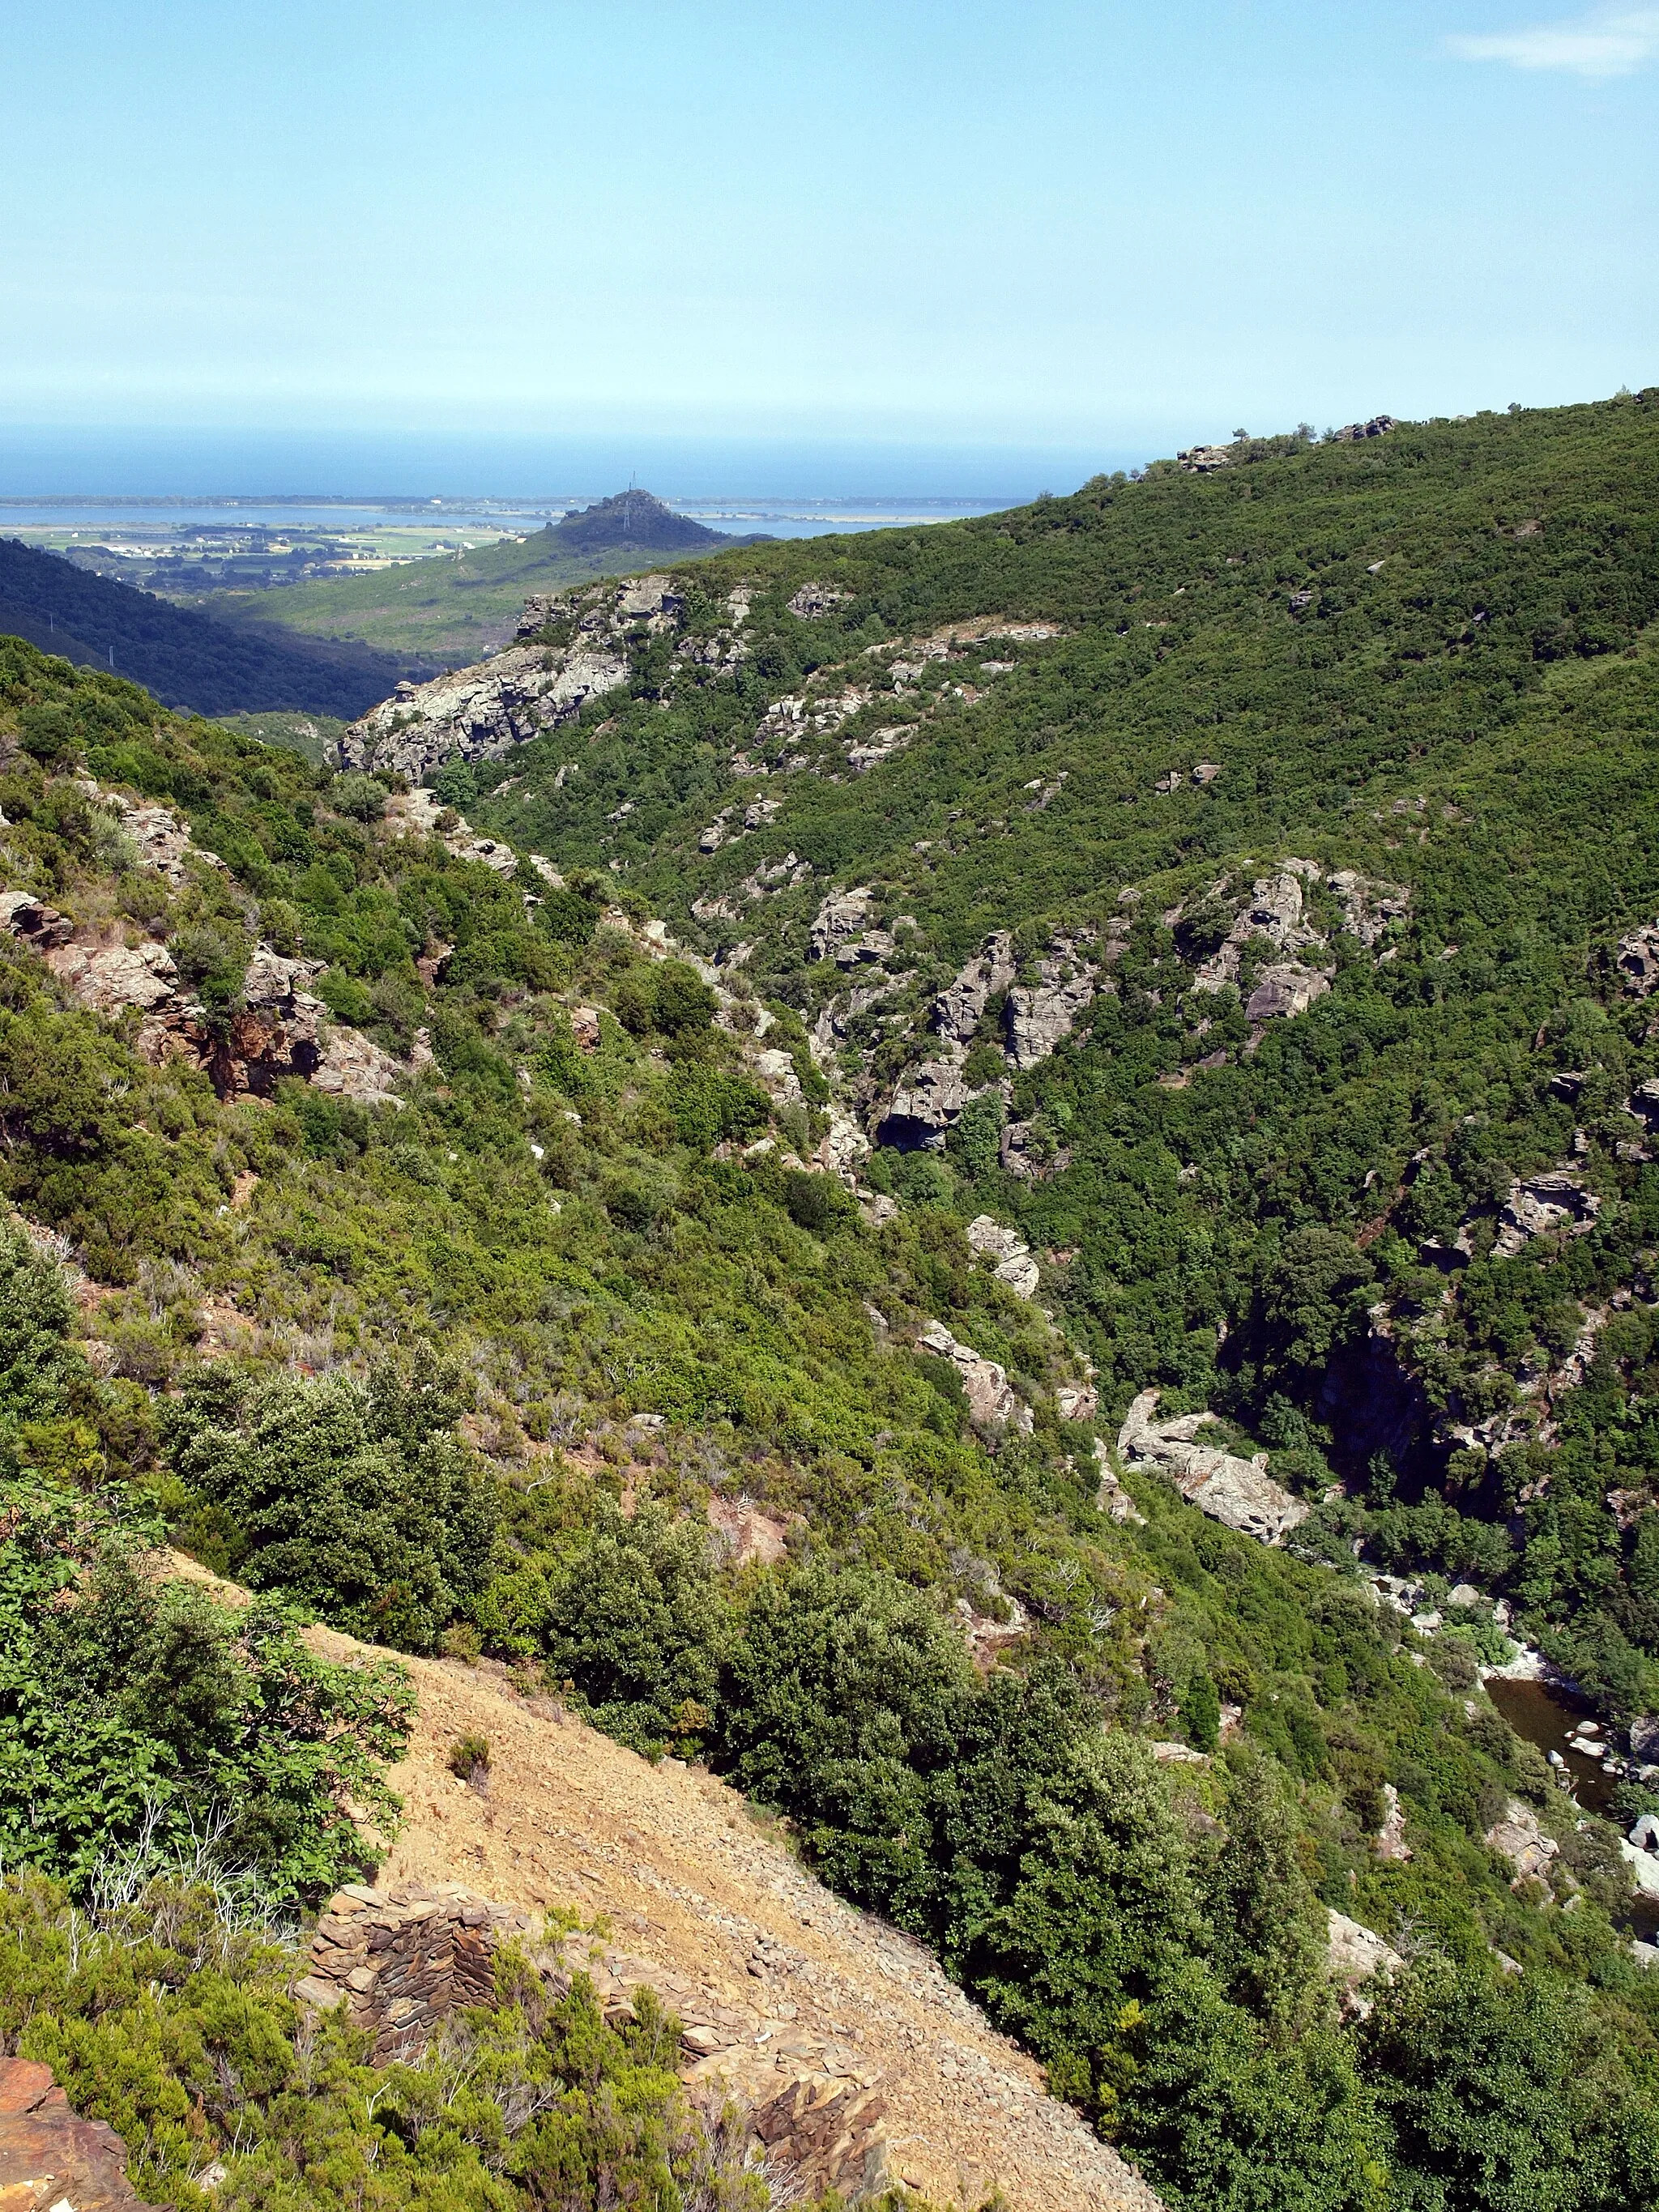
x=1644, y=1865
x=1238, y=1492
x=1353, y=434
x=992, y=1401
x=1285, y=989
x=109, y=979
x=354, y=1066
x=1356, y=1955
x=35, y=923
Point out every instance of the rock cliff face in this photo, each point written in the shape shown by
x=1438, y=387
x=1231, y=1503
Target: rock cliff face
x=483, y=712
x=480, y=714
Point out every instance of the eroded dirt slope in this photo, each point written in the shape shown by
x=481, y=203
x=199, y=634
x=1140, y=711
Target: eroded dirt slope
x=775, y=1975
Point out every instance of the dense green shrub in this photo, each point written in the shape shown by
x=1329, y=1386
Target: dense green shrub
x=359, y=1503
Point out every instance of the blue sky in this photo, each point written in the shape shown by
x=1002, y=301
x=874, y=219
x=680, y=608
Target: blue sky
x=1066, y=224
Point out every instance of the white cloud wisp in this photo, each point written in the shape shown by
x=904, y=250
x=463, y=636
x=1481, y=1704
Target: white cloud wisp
x=1611, y=42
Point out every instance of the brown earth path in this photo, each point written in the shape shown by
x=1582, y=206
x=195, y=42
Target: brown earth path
x=775, y=1977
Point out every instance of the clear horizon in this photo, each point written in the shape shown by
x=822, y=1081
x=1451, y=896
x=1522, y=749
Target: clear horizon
x=915, y=233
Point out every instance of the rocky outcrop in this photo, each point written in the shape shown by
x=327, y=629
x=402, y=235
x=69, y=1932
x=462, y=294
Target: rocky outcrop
x=960, y=1007
x=1203, y=460
x=1038, y=1015
x=1389, y=1841
x=830, y=2134
x=1239, y=1493
x=355, y=1067
x=1111, y=1498
x=399, y=1961
x=1012, y=1254
x=992, y=1400
x=1285, y=989
x=51, y=2158
x=163, y=842
x=1302, y=964
x=1637, y=960
x=109, y=979
x=1369, y=910
x=1516, y=1836
x=421, y=814
x=1353, y=434
x=812, y=601
x=842, y=916
x=481, y=713
x=1542, y=1206
x=1273, y=913
x=279, y=1030
x=1356, y=1955
x=927, y=1100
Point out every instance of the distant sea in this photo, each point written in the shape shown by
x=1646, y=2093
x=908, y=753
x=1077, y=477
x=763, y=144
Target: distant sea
x=792, y=488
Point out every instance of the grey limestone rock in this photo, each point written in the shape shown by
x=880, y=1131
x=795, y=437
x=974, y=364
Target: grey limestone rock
x=1638, y=960
x=1010, y=1253
x=812, y=601
x=1516, y=1836
x=1239, y=1493
x=960, y=1007
x=108, y=979
x=481, y=713
x=1285, y=989
x=1543, y=1205
x=1040, y=1014
x=842, y=916
x=927, y=1099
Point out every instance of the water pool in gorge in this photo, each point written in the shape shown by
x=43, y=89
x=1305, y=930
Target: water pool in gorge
x=1544, y=1714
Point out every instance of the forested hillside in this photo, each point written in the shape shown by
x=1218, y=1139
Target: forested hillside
x=186, y=659
x=1189, y=931
x=1373, y=719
